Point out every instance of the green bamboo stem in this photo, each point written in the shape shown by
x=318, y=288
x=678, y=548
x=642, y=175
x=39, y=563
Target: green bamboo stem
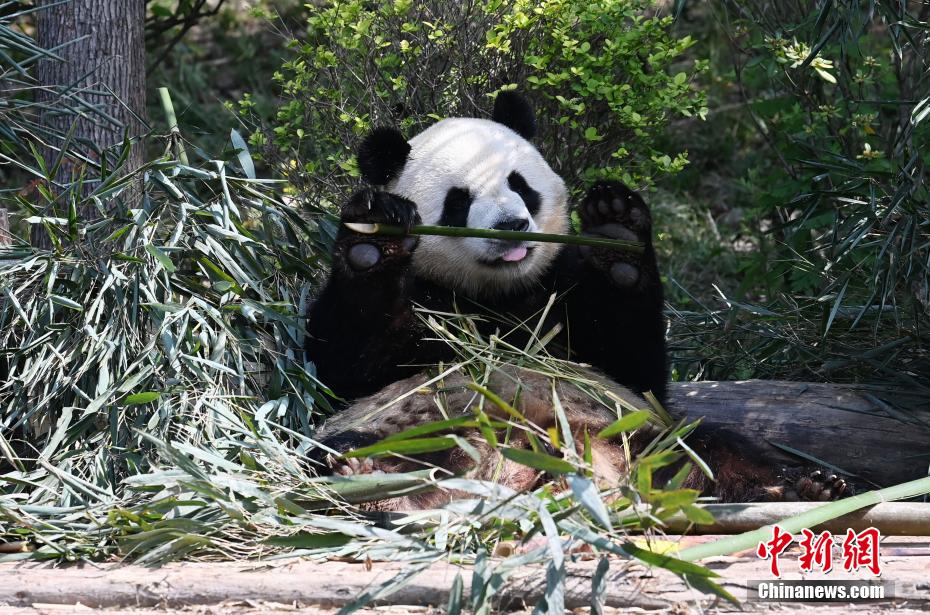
x=168, y=106
x=485, y=233
x=812, y=518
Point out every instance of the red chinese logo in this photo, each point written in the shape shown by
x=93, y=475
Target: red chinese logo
x=774, y=547
x=859, y=550
x=816, y=551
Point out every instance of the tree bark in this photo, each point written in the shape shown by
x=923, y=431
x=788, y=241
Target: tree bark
x=101, y=72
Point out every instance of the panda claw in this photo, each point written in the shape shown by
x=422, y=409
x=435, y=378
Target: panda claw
x=612, y=202
x=353, y=466
x=362, y=252
x=816, y=487
x=380, y=207
x=638, y=218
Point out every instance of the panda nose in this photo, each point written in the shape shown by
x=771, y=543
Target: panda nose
x=514, y=224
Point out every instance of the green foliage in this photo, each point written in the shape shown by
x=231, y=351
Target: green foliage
x=604, y=76
x=182, y=306
x=221, y=56
x=601, y=73
x=825, y=159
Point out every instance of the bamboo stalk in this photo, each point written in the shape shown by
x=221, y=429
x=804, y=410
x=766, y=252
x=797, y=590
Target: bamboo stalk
x=168, y=106
x=891, y=518
x=485, y=233
x=811, y=518
x=5, y=236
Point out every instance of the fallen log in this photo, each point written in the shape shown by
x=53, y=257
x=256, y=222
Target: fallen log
x=626, y=584
x=842, y=426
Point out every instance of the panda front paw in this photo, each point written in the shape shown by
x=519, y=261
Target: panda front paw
x=364, y=252
x=612, y=210
x=811, y=487
x=818, y=487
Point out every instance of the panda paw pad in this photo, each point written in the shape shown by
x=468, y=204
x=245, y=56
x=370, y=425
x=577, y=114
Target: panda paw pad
x=363, y=252
x=612, y=210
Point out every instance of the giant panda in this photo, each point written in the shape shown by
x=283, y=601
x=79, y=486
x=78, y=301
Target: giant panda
x=367, y=341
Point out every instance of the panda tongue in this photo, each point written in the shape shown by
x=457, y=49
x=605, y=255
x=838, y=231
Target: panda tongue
x=514, y=255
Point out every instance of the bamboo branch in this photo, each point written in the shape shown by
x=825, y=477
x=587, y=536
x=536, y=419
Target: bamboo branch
x=485, y=233
x=173, y=123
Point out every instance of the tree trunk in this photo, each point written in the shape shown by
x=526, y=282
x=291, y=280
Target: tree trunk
x=101, y=72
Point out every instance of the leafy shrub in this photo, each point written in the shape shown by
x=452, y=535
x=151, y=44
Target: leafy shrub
x=597, y=71
x=142, y=324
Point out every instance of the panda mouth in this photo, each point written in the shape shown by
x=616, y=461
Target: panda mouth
x=515, y=255
x=512, y=257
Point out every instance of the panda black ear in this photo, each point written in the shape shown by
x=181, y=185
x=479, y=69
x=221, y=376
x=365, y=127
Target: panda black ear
x=514, y=112
x=382, y=155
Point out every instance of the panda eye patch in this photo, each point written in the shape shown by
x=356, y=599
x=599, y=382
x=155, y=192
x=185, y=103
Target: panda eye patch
x=455, y=208
x=530, y=197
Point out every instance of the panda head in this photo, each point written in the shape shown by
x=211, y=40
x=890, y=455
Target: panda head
x=475, y=173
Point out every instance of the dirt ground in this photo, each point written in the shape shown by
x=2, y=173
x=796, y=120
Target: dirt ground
x=271, y=608
x=295, y=586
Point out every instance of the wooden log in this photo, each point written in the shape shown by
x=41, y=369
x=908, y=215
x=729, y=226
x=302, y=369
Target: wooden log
x=840, y=425
x=628, y=584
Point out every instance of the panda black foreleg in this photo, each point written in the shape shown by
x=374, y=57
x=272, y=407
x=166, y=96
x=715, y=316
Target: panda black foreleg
x=615, y=309
x=362, y=325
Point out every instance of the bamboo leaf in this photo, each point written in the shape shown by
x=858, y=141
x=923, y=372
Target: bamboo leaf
x=242, y=151
x=539, y=461
x=412, y=446
x=141, y=398
x=626, y=423
x=587, y=494
x=161, y=257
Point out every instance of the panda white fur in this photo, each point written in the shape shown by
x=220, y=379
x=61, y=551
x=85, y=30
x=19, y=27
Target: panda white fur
x=363, y=333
